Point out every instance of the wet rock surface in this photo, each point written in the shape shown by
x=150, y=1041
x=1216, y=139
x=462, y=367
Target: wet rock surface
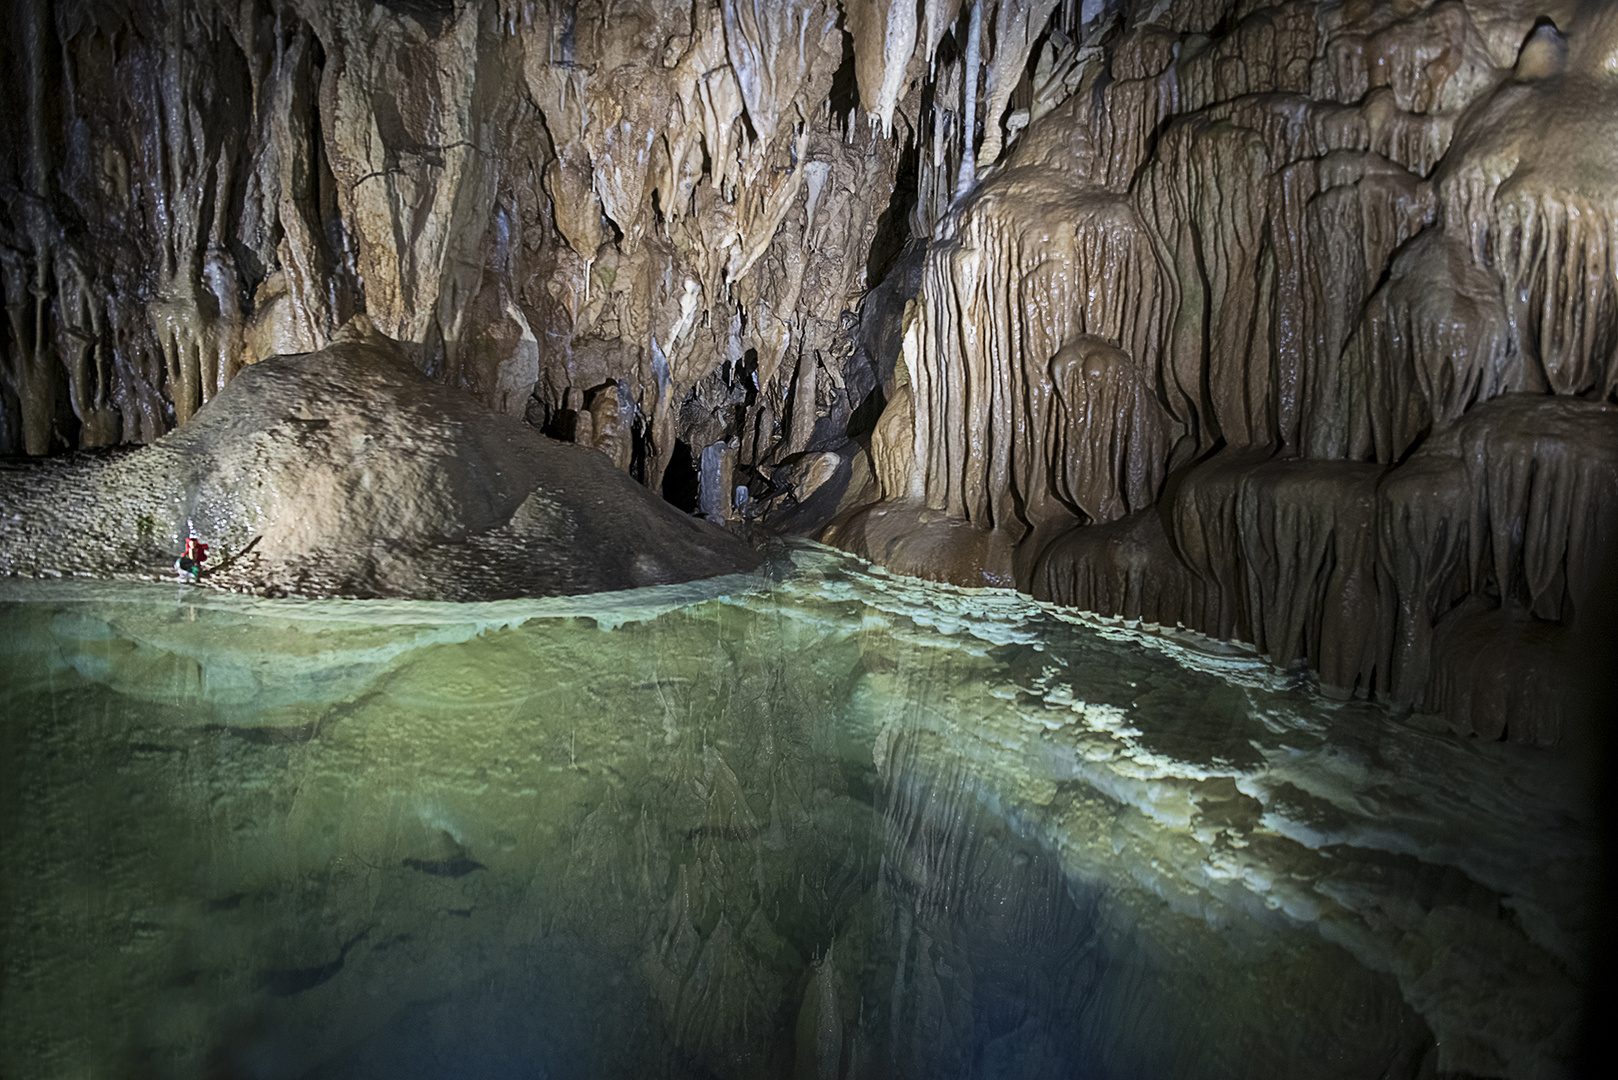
x=346, y=472
x=554, y=205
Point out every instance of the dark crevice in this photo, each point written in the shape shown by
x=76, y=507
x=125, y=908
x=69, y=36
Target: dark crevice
x=864, y=417
x=845, y=89
x=680, y=480
x=893, y=227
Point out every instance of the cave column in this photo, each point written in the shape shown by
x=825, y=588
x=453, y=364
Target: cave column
x=716, y=482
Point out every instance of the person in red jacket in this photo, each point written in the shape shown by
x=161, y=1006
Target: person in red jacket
x=190, y=563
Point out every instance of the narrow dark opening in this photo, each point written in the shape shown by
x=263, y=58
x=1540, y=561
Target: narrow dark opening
x=953, y=43
x=893, y=227
x=680, y=487
x=746, y=373
x=347, y=289
x=637, y=449
x=562, y=424
x=845, y=88
x=862, y=421
x=743, y=383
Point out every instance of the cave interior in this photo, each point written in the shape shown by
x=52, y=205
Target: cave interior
x=1280, y=332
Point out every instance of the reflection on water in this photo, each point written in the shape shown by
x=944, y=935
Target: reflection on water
x=817, y=822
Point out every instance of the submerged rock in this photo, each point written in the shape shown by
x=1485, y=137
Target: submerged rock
x=344, y=471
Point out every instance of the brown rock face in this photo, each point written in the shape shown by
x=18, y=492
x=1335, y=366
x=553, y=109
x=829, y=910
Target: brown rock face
x=542, y=201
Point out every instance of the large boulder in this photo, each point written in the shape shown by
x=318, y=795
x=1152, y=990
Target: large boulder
x=345, y=471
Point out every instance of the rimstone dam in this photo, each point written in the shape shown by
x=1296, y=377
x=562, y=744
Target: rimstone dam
x=808, y=539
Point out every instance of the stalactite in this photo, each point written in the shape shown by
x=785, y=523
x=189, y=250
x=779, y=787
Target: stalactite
x=1017, y=25
x=884, y=34
x=969, y=109
x=31, y=374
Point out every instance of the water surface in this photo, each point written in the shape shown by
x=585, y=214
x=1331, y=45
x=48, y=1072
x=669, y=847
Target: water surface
x=818, y=821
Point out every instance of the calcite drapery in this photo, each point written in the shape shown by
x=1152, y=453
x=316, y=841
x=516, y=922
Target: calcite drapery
x=1369, y=297
x=1035, y=264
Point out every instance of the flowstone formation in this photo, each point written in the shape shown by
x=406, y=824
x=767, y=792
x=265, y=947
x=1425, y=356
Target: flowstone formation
x=1295, y=323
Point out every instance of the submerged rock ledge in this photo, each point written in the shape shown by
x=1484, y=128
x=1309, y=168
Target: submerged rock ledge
x=345, y=472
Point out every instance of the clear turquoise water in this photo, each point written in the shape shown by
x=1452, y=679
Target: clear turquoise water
x=818, y=821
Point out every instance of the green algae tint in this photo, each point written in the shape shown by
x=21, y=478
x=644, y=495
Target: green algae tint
x=815, y=822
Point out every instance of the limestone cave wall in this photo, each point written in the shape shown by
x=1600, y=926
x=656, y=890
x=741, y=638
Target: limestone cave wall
x=638, y=225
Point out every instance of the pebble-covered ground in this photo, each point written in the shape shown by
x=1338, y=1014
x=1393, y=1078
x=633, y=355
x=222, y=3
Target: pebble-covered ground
x=59, y=517
x=76, y=516
x=69, y=516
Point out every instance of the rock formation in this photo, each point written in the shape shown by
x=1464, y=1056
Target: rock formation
x=551, y=205
x=346, y=472
x=1293, y=321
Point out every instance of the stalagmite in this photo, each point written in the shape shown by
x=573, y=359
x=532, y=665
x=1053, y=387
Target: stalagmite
x=1109, y=439
x=804, y=393
x=716, y=479
x=611, y=416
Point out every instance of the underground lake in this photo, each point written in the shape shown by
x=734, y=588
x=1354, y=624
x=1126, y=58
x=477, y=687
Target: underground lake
x=812, y=821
